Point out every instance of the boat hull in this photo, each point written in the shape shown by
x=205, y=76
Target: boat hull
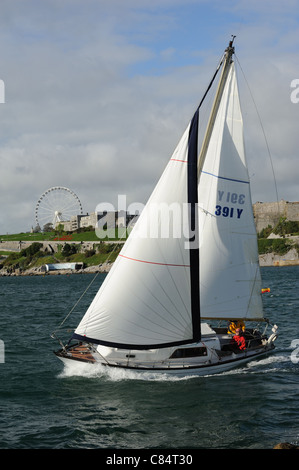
x=89, y=355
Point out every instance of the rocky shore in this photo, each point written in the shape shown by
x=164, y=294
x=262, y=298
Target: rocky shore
x=270, y=259
x=291, y=258
x=34, y=271
x=49, y=255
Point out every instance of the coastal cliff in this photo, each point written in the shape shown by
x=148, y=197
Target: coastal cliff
x=96, y=258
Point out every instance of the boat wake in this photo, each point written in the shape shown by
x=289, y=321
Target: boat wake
x=262, y=366
x=78, y=369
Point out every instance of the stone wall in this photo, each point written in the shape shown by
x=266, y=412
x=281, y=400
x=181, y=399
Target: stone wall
x=51, y=246
x=269, y=213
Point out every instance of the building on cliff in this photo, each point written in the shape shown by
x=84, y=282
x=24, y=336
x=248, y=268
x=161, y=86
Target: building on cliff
x=265, y=214
x=98, y=219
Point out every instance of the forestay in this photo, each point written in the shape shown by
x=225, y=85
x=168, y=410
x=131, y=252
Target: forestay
x=160, y=283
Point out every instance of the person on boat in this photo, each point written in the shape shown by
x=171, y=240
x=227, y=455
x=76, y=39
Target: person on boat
x=233, y=326
x=238, y=340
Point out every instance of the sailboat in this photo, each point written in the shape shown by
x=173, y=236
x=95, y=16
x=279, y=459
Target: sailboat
x=189, y=268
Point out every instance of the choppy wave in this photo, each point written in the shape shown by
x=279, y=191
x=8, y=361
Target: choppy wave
x=44, y=404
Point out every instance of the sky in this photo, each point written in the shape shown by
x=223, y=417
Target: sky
x=98, y=93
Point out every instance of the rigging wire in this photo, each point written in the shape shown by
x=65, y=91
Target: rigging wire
x=53, y=335
x=263, y=130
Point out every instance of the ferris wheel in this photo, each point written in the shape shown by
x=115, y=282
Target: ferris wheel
x=57, y=204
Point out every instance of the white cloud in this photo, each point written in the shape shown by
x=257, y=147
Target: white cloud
x=98, y=93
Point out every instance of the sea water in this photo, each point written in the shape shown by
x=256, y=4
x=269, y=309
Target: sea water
x=46, y=405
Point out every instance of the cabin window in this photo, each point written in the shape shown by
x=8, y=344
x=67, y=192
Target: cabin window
x=130, y=355
x=188, y=352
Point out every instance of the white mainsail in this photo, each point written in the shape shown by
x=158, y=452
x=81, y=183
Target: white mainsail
x=147, y=299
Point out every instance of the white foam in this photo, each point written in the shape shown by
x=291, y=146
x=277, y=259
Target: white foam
x=114, y=374
x=258, y=366
x=268, y=360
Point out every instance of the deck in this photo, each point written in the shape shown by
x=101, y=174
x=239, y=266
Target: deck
x=79, y=352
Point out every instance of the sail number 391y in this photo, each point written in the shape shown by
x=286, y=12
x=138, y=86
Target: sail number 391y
x=232, y=198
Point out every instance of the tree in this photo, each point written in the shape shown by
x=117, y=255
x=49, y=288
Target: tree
x=68, y=250
x=48, y=227
x=32, y=249
x=285, y=227
x=280, y=228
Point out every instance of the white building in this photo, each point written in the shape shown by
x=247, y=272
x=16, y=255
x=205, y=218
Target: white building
x=101, y=220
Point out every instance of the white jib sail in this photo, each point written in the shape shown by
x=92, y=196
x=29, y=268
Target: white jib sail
x=145, y=299
x=230, y=283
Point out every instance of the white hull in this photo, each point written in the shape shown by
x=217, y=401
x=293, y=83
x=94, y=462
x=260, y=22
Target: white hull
x=186, y=371
x=214, y=360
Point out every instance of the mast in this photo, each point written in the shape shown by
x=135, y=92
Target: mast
x=160, y=304
x=224, y=74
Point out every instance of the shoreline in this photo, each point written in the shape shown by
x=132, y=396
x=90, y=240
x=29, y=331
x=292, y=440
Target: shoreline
x=265, y=260
x=291, y=258
x=37, y=271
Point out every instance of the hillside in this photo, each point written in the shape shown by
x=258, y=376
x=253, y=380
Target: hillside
x=31, y=259
x=81, y=235
x=279, y=245
x=27, y=253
